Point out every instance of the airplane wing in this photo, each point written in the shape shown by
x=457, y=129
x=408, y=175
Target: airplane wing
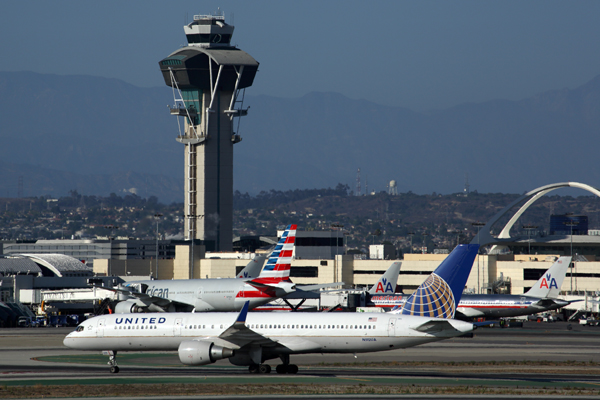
x=240, y=335
x=144, y=298
x=310, y=288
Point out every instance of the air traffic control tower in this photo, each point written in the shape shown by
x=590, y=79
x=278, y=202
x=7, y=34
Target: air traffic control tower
x=209, y=77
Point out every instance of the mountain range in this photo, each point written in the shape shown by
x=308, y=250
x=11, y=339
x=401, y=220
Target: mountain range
x=99, y=135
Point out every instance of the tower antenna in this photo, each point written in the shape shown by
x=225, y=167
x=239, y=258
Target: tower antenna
x=358, y=182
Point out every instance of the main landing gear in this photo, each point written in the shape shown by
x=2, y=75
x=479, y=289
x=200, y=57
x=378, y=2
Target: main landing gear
x=285, y=368
x=259, y=369
x=112, y=361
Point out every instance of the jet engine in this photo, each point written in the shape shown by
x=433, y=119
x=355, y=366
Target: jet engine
x=128, y=307
x=196, y=352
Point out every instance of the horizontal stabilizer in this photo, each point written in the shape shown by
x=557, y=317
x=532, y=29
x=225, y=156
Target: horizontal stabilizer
x=308, y=288
x=435, y=326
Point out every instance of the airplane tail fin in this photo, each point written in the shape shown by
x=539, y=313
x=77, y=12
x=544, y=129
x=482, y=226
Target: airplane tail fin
x=439, y=295
x=388, y=281
x=548, y=286
x=279, y=263
x=253, y=268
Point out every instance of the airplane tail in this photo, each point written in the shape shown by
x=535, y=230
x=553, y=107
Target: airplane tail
x=439, y=295
x=279, y=263
x=253, y=268
x=548, y=286
x=388, y=281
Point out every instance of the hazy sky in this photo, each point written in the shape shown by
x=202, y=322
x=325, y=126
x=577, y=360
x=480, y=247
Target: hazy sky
x=416, y=54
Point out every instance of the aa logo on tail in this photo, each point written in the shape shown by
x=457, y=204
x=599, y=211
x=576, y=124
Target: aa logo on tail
x=548, y=282
x=381, y=284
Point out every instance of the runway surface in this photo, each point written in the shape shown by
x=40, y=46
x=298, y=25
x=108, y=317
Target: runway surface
x=36, y=356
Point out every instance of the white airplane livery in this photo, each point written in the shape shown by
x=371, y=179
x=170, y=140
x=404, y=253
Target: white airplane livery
x=541, y=297
x=204, y=295
x=250, y=339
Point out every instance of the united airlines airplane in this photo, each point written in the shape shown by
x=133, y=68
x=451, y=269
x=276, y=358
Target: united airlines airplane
x=250, y=339
x=203, y=295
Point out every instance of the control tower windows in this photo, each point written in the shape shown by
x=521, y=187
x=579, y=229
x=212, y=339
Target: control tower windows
x=208, y=38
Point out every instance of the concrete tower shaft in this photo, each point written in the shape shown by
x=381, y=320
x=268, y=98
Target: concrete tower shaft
x=208, y=78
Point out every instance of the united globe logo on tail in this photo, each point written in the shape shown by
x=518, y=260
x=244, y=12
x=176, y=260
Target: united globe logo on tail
x=439, y=295
x=433, y=298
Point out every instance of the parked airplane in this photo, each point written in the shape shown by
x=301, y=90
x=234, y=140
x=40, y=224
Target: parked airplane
x=250, y=339
x=388, y=281
x=385, y=286
x=230, y=294
x=541, y=297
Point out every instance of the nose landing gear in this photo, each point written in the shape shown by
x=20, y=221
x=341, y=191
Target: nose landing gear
x=112, y=361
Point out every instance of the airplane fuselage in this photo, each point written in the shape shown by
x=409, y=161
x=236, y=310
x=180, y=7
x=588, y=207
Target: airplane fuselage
x=484, y=305
x=286, y=333
x=505, y=305
x=203, y=295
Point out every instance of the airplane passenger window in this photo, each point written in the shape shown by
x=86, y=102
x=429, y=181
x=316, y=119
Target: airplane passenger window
x=293, y=326
x=212, y=327
x=221, y=326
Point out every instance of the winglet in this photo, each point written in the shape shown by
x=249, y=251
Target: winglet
x=439, y=295
x=241, y=319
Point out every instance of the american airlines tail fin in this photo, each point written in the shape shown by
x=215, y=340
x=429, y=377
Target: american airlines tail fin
x=388, y=281
x=253, y=268
x=279, y=263
x=548, y=286
x=439, y=295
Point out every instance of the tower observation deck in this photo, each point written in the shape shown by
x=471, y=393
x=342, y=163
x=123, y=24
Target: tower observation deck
x=209, y=77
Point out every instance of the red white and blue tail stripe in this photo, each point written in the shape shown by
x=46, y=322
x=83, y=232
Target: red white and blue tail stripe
x=278, y=266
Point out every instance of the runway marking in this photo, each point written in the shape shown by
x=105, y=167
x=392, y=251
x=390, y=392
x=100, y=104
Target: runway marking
x=356, y=379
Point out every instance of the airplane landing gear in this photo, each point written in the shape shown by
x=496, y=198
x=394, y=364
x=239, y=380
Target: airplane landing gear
x=259, y=369
x=287, y=369
x=112, y=361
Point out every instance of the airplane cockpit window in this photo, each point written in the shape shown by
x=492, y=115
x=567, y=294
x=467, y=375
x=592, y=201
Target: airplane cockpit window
x=80, y=328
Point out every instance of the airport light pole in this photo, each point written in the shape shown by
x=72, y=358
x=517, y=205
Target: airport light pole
x=571, y=224
x=529, y=228
x=424, y=247
x=157, y=218
x=478, y=225
x=338, y=226
x=110, y=238
x=411, y=234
